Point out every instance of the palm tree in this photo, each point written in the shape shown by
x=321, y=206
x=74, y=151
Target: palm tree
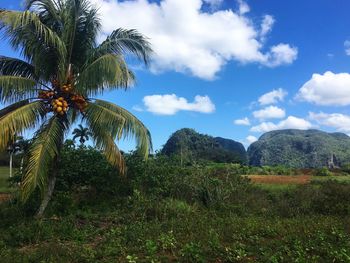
x=13, y=147
x=82, y=133
x=62, y=70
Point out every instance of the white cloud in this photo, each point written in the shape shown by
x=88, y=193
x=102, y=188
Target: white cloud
x=250, y=139
x=339, y=121
x=243, y=7
x=272, y=97
x=347, y=47
x=270, y=112
x=327, y=89
x=266, y=26
x=281, y=54
x=245, y=121
x=290, y=123
x=189, y=40
x=170, y=104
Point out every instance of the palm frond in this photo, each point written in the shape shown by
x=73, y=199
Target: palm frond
x=16, y=21
x=105, y=142
x=106, y=72
x=46, y=146
x=13, y=88
x=16, y=67
x=122, y=41
x=47, y=10
x=40, y=45
x=18, y=117
x=120, y=123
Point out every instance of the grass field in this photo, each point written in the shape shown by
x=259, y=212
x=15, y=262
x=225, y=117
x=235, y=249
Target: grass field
x=289, y=182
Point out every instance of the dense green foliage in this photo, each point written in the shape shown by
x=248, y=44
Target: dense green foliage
x=193, y=147
x=297, y=148
x=162, y=212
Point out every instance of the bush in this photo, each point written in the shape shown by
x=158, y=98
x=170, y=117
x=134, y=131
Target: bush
x=322, y=172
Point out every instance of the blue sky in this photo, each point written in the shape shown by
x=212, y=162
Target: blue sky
x=214, y=60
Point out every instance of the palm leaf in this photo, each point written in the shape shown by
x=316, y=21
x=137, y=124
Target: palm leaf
x=17, y=118
x=13, y=88
x=108, y=71
x=38, y=43
x=105, y=142
x=16, y=21
x=45, y=148
x=123, y=41
x=120, y=123
x=16, y=67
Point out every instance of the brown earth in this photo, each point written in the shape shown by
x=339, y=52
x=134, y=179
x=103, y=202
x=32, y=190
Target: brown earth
x=280, y=179
x=4, y=197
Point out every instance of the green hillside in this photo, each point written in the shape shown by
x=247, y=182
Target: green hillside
x=297, y=148
x=193, y=146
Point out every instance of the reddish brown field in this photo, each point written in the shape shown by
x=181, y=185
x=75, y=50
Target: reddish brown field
x=4, y=197
x=280, y=179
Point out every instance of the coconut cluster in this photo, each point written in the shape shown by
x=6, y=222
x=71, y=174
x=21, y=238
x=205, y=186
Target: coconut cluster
x=62, y=97
x=59, y=106
x=46, y=94
x=67, y=88
x=79, y=101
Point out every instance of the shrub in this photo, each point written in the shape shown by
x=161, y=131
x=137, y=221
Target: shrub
x=322, y=172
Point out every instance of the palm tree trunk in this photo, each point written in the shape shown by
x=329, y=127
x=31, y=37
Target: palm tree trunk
x=21, y=167
x=49, y=190
x=11, y=158
x=48, y=194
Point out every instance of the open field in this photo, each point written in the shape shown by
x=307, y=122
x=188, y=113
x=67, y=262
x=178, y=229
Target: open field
x=161, y=212
x=295, y=179
x=280, y=179
x=290, y=182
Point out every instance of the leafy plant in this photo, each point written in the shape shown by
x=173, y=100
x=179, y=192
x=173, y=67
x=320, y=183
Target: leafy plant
x=323, y=172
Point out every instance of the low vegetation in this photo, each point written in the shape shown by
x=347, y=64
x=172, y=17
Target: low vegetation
x=164, y=212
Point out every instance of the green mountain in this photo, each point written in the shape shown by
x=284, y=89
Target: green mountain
x=192, y=146
x=300, y=149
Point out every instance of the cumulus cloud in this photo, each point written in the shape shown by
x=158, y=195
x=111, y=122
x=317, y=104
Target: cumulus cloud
x=347, y=47
x=188, y=39
x=281, y=54
x=290, y=123
x=266, y=26
x=170, y=104
x=245, y=121
x=273, y=97
x=340, y=122
x=250, y=139
x=243, y=7
x=327, y=89
x=270, y=112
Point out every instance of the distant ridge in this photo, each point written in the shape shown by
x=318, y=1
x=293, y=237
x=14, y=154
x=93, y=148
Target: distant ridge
x=300, y=149
x=193, y=147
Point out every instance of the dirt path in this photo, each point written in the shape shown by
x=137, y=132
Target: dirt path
x=4, y=197
x=280, y=179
